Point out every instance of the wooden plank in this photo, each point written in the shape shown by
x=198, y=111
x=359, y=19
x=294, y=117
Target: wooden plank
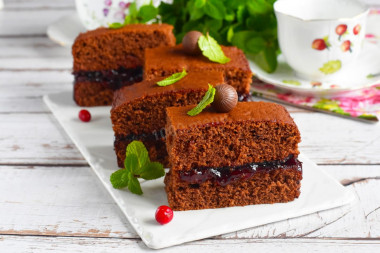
x=33, y=53
x=32, y=22
x=70, y=201
x=35, y=139
x=327, y=139
x=64, y=201
x=39, y=4
x=18, y=244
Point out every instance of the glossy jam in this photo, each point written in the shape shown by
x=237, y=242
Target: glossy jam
x=226, y=175
x=115, y=79
x=154, y=136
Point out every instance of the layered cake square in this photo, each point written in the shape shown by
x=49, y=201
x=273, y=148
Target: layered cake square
x=168, y=60
x=243, y=157
x=138, y=111
x=108, y=59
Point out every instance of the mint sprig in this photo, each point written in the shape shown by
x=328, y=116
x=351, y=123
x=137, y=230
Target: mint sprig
x=248, y=25
x=207, y=99
x=136, y=165
x=144, y=14
x=211, y=49
x=173, y=78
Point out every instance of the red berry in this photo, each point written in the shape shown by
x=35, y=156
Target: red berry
x=357, y=29
x=340, y=29
x=164, y=215
x=346, y=46
x=84, y=115
x=319, y=44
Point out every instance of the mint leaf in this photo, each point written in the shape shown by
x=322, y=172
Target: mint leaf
x=207, y=99
x=131, y=163
x=118, y=179
x=137, y=148
x=152, y=171
x=215, y=9
x=137, y=164
x=172, y=79
x=199, y=3
x=134, y=185
x=211, y=49
x=147, y=13
x=115, y=25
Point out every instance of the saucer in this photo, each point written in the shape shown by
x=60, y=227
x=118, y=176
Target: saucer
x=65, y=30
x=363, y=72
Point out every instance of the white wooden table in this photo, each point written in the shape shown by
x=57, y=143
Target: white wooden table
x=50, y=200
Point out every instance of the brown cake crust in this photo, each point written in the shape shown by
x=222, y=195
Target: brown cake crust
x=92, y=93
x=280, y=185
x=168, y=60
x=251, y=132
x=106, y=48
x=140, y=110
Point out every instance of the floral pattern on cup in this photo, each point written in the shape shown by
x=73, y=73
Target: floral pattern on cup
x=321, y=44
x=341, y=30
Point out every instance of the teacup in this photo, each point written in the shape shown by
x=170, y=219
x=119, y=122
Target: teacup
x=97, y=13
x=319, y=38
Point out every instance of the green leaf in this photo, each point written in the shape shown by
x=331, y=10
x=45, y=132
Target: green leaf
x=255, y=45
x=215, y=9
x=292, y=82
x=211, y=49
x=259, y=7
x=115, y=25
x=137, y=148
x=331, y=67
x=196, y=14
x=266, y=59
x=230, y=15
x=207, y=99
x=152, y=170
x=230, y=34
x=134, y=185
x=131, y=163
x=199, y=3
x=118, y=179
x=173, y=78
x=147, y=13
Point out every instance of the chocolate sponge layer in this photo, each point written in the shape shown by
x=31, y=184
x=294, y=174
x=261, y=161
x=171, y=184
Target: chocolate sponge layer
x=280, y=185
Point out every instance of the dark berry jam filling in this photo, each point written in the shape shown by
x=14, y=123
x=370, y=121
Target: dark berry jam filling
x=154, y=136
x=114, y=79
x=226, y=175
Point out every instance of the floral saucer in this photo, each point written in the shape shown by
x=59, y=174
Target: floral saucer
x=363, y=72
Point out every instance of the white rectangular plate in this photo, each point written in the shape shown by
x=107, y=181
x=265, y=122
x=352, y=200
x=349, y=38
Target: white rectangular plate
x=95, y=140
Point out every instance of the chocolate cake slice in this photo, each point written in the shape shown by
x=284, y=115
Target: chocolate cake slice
x=108, y=59
x=138, y=111
x=169, y=60
x=247, y=156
